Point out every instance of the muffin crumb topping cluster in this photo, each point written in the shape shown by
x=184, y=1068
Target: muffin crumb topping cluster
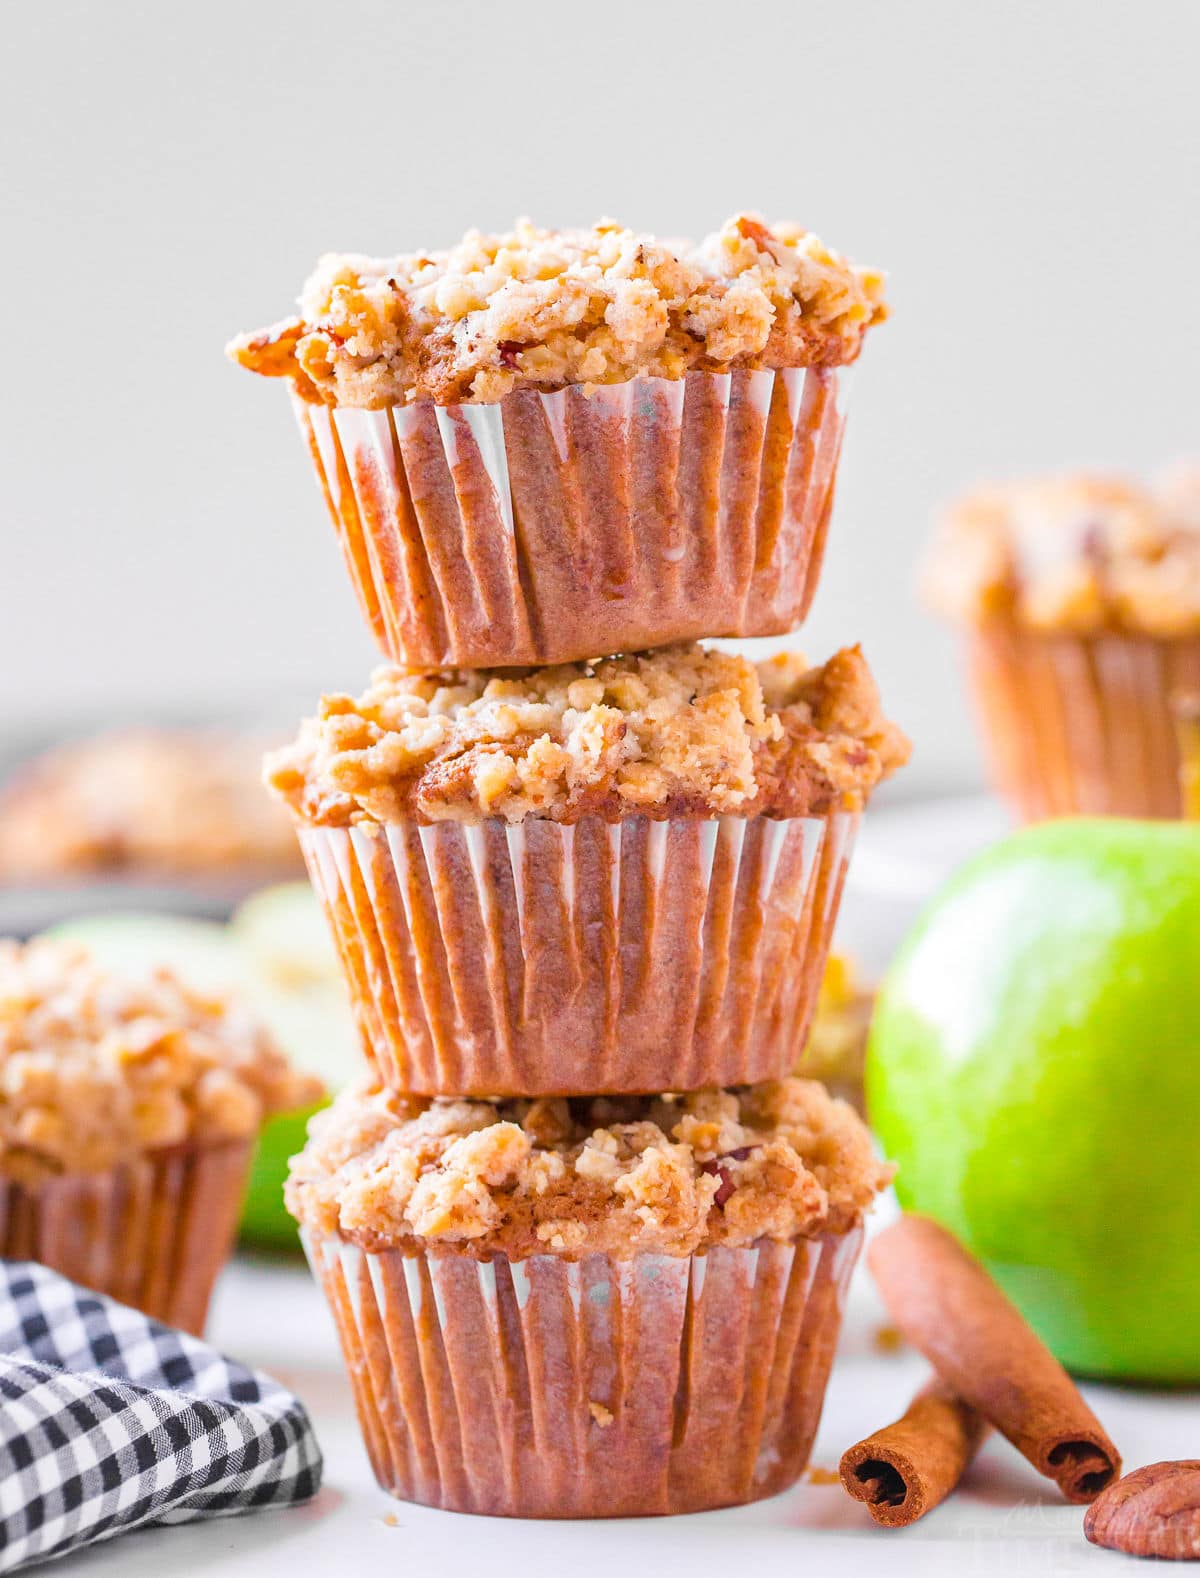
x=681, y=730
x=543, y=309
x=615, y=1175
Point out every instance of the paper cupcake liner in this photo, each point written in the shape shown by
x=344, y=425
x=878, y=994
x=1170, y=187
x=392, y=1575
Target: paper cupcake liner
x=550, y=527
x=542, y=959
x=1080, y=724
x=600, y=1388
x=153, y=1233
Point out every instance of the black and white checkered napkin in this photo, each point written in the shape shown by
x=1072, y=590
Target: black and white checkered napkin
x=110, y=1421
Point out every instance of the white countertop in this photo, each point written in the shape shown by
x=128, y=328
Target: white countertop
x=1004, y=1519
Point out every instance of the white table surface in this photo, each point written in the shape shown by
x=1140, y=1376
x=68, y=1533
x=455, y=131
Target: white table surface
x=1004, y=1519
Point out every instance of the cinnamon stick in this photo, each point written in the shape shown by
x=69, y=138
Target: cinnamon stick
x=948, y=1307
x=904, y=1470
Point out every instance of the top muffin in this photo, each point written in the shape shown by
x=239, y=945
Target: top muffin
x=1081, y=553
x=544, y=309
x=679, y=731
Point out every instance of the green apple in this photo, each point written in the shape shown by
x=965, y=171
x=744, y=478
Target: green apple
x=265, y=1222
x=284, y=931
x=1034, y=1068
x=304, y=1007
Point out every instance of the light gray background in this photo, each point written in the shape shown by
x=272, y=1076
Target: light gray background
x=1028, y=174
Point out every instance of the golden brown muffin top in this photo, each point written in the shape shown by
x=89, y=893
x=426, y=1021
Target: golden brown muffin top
x=593, y=1175
x=171, y=802
x=1080, y=552
x=682, y=730
x=96, y=1070
x=543, y=309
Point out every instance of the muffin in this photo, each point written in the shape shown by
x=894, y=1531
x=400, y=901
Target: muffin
x=590, y=1308
x=128, y=1112
x=541, y=446
x=1080, y=597
x=596, y=877
x=168, y=804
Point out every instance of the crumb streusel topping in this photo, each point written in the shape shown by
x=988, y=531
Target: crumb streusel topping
x=1076, y=553
x=590, y=1175
x=682, y=730
x=95, y=1069
x=545, y=308
x=143, y=801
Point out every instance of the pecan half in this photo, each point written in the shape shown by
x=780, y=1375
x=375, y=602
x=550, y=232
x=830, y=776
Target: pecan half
x=1155, y=1511
x=726, y=1187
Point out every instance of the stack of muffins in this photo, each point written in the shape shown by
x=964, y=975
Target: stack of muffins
x=584, y=1238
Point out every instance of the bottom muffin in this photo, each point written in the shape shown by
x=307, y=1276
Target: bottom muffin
x=597, y=1307
x=128, y=1114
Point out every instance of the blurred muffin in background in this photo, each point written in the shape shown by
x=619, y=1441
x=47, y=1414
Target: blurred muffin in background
x=836, y=1049
x=163, y=803
x=1080, y=597
x=129, y=1109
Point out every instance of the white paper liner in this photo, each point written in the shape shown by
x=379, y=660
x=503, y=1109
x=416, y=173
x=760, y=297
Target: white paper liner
x=541, y=959
x=1083, y=724
x=599, y=1388
x=153, y=1232
x=551, y=527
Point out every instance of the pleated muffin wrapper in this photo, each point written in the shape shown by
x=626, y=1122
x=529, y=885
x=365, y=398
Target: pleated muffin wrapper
x=550, y=527
x=549, y=959
x=547, y=1388
x=1083, y=724
x=153, y=1232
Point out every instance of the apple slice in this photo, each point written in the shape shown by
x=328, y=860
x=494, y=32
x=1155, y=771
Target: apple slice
x=284, y=931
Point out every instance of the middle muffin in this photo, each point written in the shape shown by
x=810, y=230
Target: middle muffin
x=598, y=878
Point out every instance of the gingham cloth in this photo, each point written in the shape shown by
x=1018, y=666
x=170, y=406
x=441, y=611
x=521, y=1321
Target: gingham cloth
x=110, y=1421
